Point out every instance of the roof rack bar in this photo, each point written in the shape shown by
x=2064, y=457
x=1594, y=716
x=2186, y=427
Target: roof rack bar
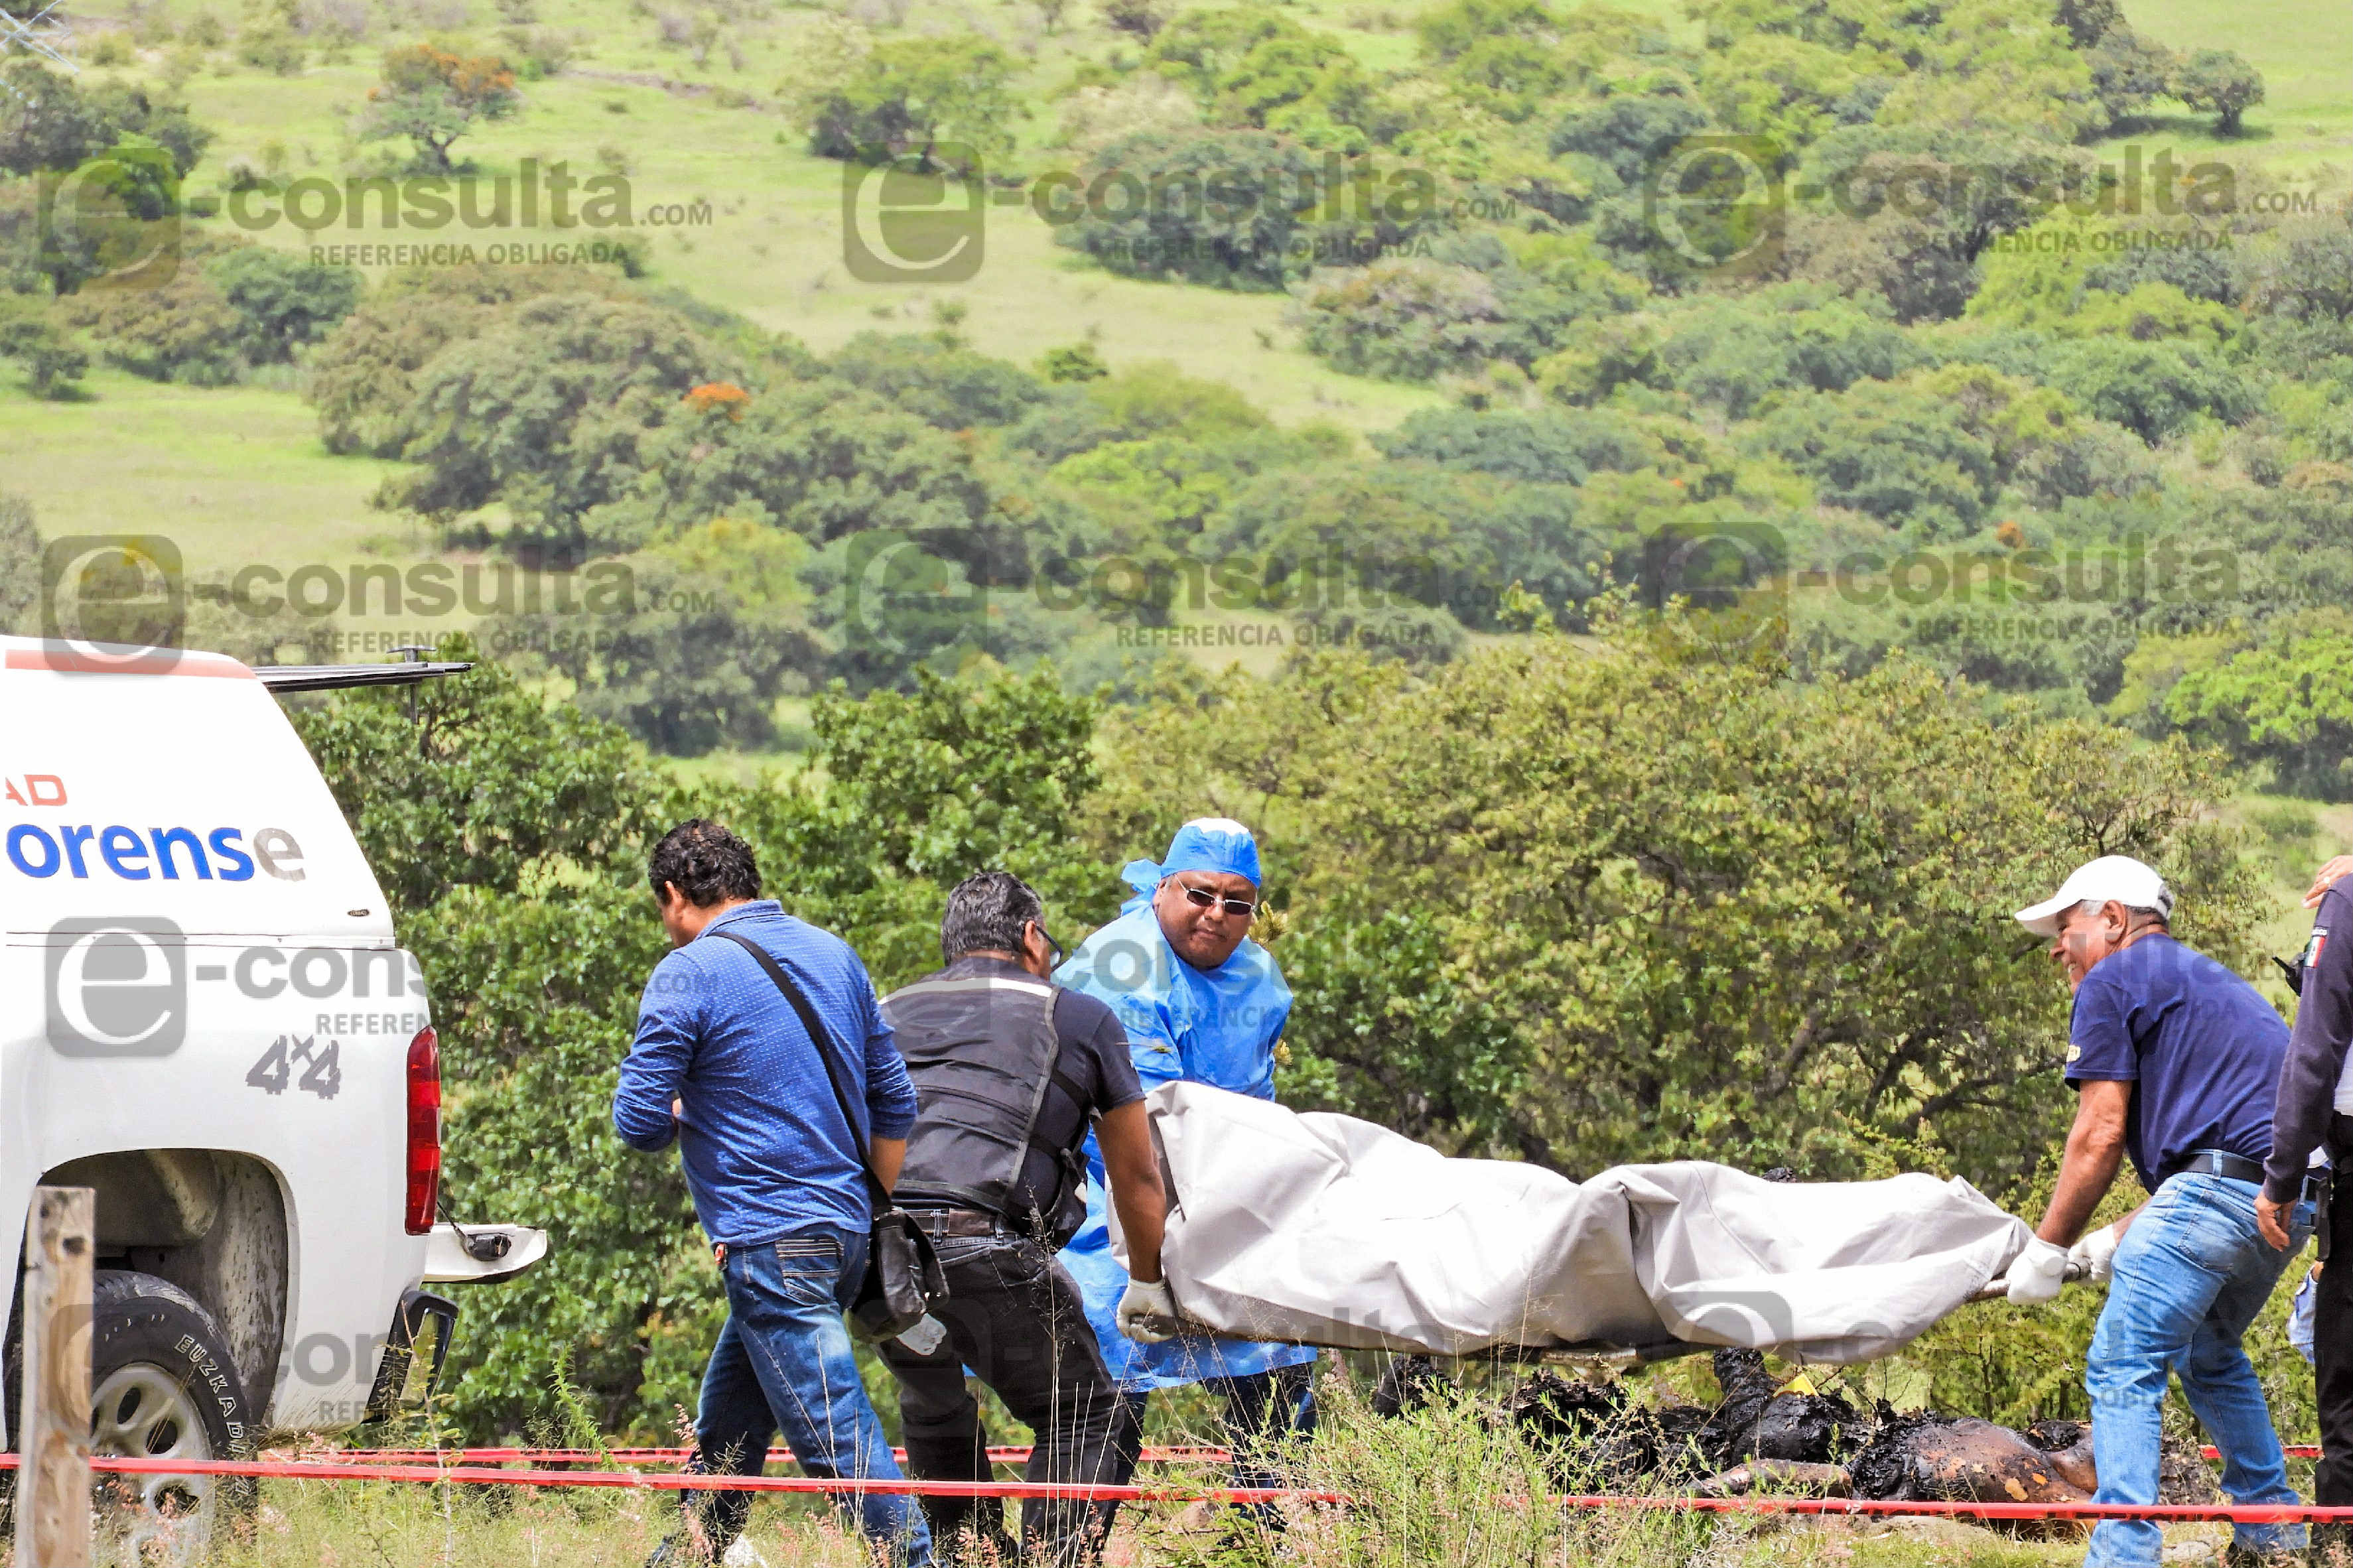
x=286, y=678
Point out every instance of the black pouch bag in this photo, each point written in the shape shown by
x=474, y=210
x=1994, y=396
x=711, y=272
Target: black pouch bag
x=904, y=1278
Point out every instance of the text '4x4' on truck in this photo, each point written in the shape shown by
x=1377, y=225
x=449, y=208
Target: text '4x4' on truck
x=204, y=1018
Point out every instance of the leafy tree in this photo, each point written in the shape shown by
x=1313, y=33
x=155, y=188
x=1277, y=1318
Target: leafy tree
x=1737, y=355
x=363, y=379
x=910, y=95
x=489, y=788
x=2218, y=82
x=1472, y=301
x=1629, y=135
x=1071, y=362
x=1996, y=66
x=1253, y=66
x=20, y=562
x=2301, y=271
x=51, y=361
x=547, y=409
x=1404, y=320
x=2088, y=21
x=2286, y=703
x=1155, y=398
x=1229, y=208
x=1450, y=31
x=430, y=97
x=2128, y=71
x=1550, y=445
x=1138, y=18
x=2153, y=389
x=821, y=461
x=181, y=330
x=1358, y=541
x=1912, y=209
x=285, y=302
x=1931, y=452
x=1511, y=58
x=937, y=380
x=49, y=122
x=1787, y=90
x=1160, y=490
x=716, y=628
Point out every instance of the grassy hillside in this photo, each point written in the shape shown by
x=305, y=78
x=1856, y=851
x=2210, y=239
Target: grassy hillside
x=687, y=110
x=237, y=473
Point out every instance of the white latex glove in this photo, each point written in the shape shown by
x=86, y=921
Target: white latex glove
x=1147, y=1313
x=2097, y=1254
x=2035, y=1273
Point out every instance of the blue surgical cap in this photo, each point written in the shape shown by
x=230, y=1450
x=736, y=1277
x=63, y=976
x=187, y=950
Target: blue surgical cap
x=1204, y=843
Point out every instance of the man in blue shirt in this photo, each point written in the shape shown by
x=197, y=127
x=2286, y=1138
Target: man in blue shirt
x=2174, y=1060
x=723, y=1063
x=1202, y=1001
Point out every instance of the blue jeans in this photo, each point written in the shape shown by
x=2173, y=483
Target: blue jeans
x=2190, y=1276
x=783, y=1361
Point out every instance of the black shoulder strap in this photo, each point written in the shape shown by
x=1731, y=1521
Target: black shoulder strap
x=823, y=1043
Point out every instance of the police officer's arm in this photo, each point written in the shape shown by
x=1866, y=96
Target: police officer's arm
x=1134, y=1175
x=2315, y=1057
x=2095, y=1147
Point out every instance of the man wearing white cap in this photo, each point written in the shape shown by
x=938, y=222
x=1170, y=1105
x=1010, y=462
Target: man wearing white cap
x=2174, y=1060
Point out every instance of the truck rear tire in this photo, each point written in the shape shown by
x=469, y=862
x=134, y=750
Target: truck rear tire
x=163, y=1384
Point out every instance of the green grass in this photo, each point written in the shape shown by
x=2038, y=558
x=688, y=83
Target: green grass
x=2304, y=126
x=234, y=474
x=316, y=1524
x=1450, y=1485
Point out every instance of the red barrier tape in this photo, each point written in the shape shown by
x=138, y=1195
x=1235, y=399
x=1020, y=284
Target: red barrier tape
x=2171, y=1513
x=996, y=1456
x=672, y=1481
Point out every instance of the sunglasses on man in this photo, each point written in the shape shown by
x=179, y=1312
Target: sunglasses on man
x=1205, y=898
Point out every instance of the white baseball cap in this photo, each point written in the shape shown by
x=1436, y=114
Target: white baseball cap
x=2118, y=876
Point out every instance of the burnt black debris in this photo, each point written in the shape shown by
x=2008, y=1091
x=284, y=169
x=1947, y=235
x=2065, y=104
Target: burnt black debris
x=1593, y=1435
x=1408, y=1383
x=1758, y=1420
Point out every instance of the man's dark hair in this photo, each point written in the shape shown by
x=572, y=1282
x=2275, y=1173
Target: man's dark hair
x=986, y=912
x=707, y=865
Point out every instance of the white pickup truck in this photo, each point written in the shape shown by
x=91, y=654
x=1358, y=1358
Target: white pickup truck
x=204, y=1015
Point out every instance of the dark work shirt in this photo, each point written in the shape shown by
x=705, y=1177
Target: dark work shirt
x=1093, y=1057
x=2199, y=1045
x=2308, y=1094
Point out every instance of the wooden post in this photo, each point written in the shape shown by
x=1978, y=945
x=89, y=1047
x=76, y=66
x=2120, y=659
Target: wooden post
x=53, y=1433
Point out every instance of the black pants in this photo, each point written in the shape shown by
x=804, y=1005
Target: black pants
x=2332, y=1338
x=1015, y=1317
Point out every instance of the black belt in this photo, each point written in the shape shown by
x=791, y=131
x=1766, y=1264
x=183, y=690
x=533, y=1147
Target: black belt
x=2236, y=1168
x=946, y=1223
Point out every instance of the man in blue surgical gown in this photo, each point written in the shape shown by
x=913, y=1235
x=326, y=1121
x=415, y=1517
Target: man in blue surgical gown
x=1202, y=1001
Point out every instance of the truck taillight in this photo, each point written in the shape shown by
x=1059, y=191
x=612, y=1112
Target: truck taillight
x=424, y=1131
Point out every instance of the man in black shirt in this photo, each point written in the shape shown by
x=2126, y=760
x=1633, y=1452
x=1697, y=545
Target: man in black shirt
x=2314, y=1110
x=1010, y=1070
